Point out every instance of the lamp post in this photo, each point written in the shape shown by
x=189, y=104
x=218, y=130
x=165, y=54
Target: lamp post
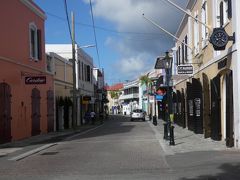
x=155, y=104
x=166, y=63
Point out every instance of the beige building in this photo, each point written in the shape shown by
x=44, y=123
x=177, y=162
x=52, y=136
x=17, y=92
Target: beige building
x=63, y=85
x=203, y=100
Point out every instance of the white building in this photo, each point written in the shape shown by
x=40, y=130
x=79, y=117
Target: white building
x=130, y=97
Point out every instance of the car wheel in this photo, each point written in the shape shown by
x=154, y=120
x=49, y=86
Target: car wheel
x=143, y=119
x=131, y=119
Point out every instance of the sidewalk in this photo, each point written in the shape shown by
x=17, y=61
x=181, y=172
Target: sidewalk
x=186, y=141
x=42, y=139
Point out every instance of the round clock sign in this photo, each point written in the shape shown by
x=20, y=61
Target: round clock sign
x=219, y=38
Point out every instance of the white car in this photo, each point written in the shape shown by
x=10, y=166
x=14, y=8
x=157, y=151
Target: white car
x=138, y=114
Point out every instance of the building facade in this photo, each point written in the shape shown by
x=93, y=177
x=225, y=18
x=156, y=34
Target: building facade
x=130, y=97
x=207, y=101
x=114, y=92
x=63, y=85
x=84, y=76
x=26, y=89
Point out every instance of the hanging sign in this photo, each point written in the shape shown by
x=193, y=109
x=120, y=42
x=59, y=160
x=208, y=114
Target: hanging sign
x=185, y=69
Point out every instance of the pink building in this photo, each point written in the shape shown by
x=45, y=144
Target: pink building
x=26, y=90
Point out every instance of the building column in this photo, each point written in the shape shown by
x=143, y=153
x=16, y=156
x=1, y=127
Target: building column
x=236, y=72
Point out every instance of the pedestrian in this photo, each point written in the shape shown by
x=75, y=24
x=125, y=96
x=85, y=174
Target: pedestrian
x=92, y=114
x=87, y=117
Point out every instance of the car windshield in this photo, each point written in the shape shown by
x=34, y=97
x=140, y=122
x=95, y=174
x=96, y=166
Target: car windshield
x=137, y=111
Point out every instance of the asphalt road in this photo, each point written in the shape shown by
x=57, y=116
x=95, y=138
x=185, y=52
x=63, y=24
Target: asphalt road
x=120, y=149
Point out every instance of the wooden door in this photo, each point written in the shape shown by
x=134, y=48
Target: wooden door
x=229, y=111
x=183, y=109
x=5, y=113
x=206, y=107
x=50, y=110
x=174, y=100
x=197, y=106
x=189, y=106
x=36, y=112
x=179, y=106
x=215, y=109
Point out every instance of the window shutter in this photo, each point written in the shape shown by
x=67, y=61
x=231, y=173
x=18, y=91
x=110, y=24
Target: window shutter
x=39, y=44
x=182, y=53
x=221, y=14
x=177, y=56
x=186, y=49
x=229, y=9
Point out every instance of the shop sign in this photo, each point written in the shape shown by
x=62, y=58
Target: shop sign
x=197, y=102
x=185, y=69
x=35, y=80
x=222, y=64
x=159, y=97
x=86, y=98
x=190, y=106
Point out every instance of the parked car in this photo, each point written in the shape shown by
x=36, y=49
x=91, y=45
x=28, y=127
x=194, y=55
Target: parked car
x=138, y=114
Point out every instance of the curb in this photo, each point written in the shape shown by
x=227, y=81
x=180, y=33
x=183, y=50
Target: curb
x=29, y=153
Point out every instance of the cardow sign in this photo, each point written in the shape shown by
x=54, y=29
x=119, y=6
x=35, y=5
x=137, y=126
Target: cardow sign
x=35, y=80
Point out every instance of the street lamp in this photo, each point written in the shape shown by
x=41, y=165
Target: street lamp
x=154, y=82
x=166, y=63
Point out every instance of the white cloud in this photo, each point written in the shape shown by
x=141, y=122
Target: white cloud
x=138, y=51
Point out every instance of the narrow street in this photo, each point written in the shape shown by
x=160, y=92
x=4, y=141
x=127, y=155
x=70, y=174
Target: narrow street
x=120, y=149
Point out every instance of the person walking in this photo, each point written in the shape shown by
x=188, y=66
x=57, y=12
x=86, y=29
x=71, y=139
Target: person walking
x=92, y=114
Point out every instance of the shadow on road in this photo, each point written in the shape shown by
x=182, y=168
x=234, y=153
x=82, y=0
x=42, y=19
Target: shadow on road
x=114, y=125
x=230, y=171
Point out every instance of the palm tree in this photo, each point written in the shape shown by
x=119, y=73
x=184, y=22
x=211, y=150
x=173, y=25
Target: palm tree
x=145, y=80
x=114, y=94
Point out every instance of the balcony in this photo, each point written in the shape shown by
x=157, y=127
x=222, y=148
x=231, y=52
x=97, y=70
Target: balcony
x=129, y=96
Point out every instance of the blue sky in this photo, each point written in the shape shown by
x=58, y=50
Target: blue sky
x=128, y=45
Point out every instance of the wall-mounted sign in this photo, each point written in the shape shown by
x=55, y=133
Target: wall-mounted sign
x=159, y=97
x=35, y=80
x=190, y=107
x=185, y=69
x=222, y=63
x=220, y=38
x=86, y=98
x=197, y=103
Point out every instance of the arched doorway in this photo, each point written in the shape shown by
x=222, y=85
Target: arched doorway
x=5, y=113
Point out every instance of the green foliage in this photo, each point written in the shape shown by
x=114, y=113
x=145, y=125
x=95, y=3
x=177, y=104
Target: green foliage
x=145, y=80
x=114, y=94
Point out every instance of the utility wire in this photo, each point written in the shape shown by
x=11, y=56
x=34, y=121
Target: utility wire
x=95, y=37
x=66, y=11
x=103, y=28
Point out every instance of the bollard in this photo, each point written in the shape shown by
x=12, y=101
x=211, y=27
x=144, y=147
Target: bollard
x=154, y=120
x=165, y=125
x=150, y=117
x=171, y=142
